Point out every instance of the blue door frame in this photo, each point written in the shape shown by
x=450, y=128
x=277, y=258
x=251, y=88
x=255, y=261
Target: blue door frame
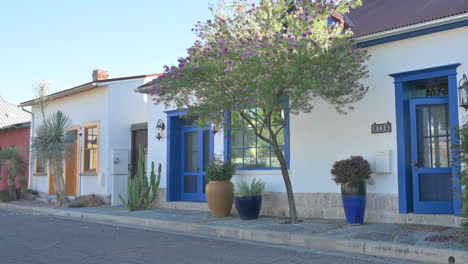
x=418, y=171
x=402, y=107
x=175, y=158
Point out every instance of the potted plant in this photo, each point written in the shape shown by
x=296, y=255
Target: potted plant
x=220, y=190
x=248, y=198
x=353, y=174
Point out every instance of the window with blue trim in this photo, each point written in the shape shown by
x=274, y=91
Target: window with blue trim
x=249, y=151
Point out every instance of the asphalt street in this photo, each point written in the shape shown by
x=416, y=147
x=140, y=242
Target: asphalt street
x=38, y=239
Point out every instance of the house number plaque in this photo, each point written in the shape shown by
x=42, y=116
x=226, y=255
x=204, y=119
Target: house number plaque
x=381, y=128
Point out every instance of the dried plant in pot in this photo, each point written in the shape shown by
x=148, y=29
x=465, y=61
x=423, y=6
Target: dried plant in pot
x=248, y=198
x=220, y=190
x=353, y=175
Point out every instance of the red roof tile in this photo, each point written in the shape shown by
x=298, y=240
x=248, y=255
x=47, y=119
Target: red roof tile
x=381, y=15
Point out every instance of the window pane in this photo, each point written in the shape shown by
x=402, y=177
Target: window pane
x=90, y=149
x=236, y=120
x=40, y=164
x=249, y=158
x=250, y=139
x=237, y=138
x=191, y=151
x=206, y=149
x=263, y=157
x=237, y=157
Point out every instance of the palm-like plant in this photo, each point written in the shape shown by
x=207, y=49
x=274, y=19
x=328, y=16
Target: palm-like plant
x=51, y=143
x=16, y=168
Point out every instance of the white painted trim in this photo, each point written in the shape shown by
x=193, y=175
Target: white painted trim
x=411, y=28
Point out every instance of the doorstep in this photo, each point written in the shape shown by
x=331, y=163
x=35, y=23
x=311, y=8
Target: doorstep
x=428, y=244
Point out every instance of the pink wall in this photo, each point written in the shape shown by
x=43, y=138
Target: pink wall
x=15, y=138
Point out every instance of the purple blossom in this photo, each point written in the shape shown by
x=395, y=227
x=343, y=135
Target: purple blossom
x=246, y=54
x=229, y=89
x=246, y=98
x=227, y=70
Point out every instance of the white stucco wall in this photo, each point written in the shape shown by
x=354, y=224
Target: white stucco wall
x=320, y=138
x=116, y=106
x=125, y=108
x=82, y=108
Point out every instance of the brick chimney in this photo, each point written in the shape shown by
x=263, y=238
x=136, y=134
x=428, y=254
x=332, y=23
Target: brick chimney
x=99, y=75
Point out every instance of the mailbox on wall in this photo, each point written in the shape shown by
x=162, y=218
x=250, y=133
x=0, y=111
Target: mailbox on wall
x=383, y=164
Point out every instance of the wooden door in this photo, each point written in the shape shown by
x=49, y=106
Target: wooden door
x=71, y=164
x=139, y=137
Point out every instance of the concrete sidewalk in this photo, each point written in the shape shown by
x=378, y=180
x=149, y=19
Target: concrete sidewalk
x=428, y=244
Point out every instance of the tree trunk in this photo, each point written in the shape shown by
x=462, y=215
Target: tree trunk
x=287, y=180
x=59, y=184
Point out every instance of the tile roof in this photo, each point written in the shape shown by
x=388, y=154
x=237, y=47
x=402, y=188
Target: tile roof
x=11, y=114
x=381, y=15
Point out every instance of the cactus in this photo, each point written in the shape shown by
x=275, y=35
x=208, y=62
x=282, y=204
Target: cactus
x=142, y=193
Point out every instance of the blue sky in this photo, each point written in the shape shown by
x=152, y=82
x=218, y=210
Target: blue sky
x=64, y=41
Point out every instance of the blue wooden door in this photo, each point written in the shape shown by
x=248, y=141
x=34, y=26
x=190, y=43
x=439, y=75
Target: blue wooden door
x=431, y=156
x=196, y=154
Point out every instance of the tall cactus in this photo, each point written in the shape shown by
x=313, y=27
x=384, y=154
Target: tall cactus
x=141, y=193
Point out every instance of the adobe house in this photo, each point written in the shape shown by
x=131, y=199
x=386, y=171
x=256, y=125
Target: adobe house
x=14, y=132
x=109, y=121
x=404, y=126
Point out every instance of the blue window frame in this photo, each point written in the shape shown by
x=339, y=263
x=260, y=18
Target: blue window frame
x=247, y=150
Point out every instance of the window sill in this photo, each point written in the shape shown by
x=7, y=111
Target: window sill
x=89, y=174
x=40, y=174
x=244, y=172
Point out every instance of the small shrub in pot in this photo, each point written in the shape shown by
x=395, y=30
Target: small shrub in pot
x=248, y=198
x=353, y=174
x=220, y=190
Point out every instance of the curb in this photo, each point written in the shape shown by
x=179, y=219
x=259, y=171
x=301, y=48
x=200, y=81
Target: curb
x=363, y=247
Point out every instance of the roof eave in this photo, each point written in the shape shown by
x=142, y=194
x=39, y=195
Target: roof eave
x=411, y=28
x=84, y=87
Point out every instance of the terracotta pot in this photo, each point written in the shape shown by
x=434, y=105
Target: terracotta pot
x=220, y=195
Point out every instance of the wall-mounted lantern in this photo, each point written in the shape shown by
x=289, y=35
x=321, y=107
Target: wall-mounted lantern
x=159, y=129
x=463, y=92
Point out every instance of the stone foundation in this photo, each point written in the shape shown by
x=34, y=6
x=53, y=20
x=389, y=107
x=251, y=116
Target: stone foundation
x=381, y=208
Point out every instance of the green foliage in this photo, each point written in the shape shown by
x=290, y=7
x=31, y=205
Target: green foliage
x=256, y=188
x=462, y=149
x=52, y=143
x=141, y=193
x=51, y=140
x=5, y=196
x=218, y=170
x=15, y=165
x=351, y=171
x=271, y=55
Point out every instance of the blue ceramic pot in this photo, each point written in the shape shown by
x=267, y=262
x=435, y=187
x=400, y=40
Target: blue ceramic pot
x=354, y=202
x=248, y=207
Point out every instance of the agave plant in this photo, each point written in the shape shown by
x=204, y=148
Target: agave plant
x=16, y=168
x=51, y=143
x=255, y=188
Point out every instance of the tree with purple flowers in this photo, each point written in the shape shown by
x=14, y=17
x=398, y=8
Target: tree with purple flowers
x=253, y=57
